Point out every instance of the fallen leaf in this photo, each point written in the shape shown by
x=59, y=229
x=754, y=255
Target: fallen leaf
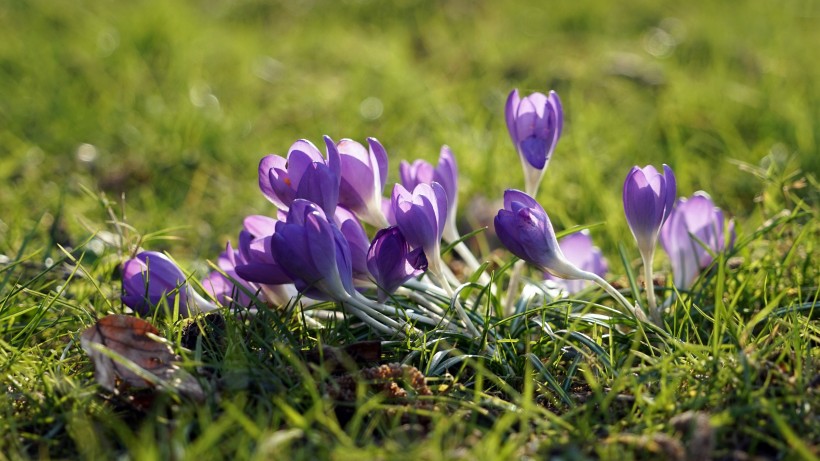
x=129, y=354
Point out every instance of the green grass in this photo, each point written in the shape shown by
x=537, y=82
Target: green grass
x=153, y=116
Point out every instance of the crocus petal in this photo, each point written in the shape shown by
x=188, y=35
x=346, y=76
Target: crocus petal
x=320, y=185
x=356, y=237
x=268, y=163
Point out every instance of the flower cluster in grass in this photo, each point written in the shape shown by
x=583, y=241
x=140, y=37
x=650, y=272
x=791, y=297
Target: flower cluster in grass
x=336, y=237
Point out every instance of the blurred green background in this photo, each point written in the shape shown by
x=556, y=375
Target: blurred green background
x=172, y=104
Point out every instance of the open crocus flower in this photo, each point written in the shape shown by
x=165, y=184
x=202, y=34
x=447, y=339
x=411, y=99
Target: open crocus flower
x=578, y=250
x=446, y=174
x=152, y=277
x=304, y=174
x=694, y=232
x=363, y=175
x=391, y=262
x=535, y=123
x=648, y=198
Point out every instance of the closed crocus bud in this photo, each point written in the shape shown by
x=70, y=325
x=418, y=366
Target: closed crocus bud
x=694, y=232
x=391, y=262
x=535, y=123
x=525, y=229
x=579, y=250
x=420, y=215
x=648, y=198
x=152, y=277
x=313, y=252
x=363, y=175
x=446, y=174
x=304, y=174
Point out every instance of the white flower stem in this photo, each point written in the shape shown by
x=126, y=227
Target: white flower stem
x=423, y=302
x=425, y=287
x=374, y=318
x=654, y=312
x=616, y=294
x=429, y=319
x=435, y=270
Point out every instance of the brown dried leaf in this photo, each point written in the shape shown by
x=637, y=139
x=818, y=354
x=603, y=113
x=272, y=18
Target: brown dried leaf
x=128, y=354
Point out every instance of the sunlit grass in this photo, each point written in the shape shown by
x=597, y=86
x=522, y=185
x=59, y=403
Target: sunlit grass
x=148, y=120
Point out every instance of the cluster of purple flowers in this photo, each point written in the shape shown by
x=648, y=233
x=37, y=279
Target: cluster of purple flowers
x=317, y=246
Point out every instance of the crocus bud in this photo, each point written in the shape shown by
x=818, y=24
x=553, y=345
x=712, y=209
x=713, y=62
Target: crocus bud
x=525, y=229
x=152, y=277
x=578, y=250
x=648, y=197
x=691, y=236
x=446, y=174
x=313, y=252
x=391, y=262
x=363, y=175
x=420, y=215
x=535, y=123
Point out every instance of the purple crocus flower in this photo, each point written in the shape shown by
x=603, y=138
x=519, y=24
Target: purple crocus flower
x=356, y=238
x=313, y=252
x=578, y=250
x=535, y=123
x=363, y=175
x=256, y=263
x=225, y=286
x=525, y=229
x=152, y=277
x=694, y=232
x=648, y=198
x=304, y=174
x=446, y=174
x=391, y=261
x=420, y=215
